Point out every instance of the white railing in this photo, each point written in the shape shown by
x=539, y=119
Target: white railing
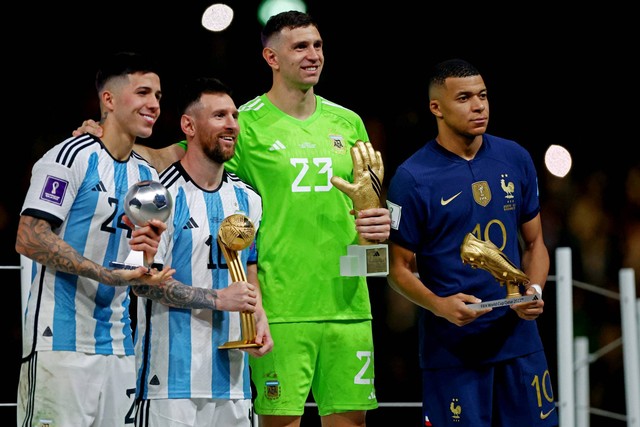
x=573, y=369
x=564, y=296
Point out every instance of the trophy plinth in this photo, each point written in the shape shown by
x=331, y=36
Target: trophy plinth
x=236, y=233
x=134, y=260
x=145, y=200
x=365, y=260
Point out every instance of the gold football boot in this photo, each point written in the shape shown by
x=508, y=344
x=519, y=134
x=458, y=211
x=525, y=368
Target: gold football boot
x=480, y=254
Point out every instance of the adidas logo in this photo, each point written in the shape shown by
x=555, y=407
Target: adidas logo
x=99, y=187
x=154, y=380
x=277, y=146
x=47, y=332
x=190, y=224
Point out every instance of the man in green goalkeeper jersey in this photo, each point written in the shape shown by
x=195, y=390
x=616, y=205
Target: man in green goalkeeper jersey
x=292, y=142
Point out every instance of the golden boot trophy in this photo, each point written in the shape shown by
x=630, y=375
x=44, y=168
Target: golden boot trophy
x=485, y=255
x=236, y=233
x=367, y=258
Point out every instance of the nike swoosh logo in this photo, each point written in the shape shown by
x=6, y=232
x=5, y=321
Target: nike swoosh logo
x=444, y=202
x=545, y=415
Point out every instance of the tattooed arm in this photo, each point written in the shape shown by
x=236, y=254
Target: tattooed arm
x=238, y=296
x=37, y=241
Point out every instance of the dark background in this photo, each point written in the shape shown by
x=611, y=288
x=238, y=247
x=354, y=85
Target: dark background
x=554, y=77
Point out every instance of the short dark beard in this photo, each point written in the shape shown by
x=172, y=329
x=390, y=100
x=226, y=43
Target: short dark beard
x=217, y=155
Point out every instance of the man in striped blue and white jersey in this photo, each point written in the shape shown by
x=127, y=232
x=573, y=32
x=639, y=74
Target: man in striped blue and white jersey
x=78, y=366
x=182, y=373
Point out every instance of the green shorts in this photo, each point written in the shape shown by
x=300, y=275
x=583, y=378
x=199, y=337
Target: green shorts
x=334, y=360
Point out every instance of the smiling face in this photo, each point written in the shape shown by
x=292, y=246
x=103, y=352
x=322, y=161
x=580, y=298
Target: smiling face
x=133, y=102
x=296, y=54
x=213, y=123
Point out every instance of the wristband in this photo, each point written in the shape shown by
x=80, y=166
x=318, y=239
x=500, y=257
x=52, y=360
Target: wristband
x=537, y=288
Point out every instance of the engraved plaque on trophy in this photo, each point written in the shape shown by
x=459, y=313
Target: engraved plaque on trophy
x=487, y=256
x=236, y=233
x=368, y=258
x=144, y=201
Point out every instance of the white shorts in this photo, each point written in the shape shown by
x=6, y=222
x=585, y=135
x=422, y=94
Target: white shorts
x=194, y=412
x=69, y=389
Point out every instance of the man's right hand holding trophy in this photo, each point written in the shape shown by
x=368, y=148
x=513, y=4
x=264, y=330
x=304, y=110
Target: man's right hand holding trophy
x=147, y=206
x=370, y=257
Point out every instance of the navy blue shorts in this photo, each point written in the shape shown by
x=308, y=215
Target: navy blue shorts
x=515, y=392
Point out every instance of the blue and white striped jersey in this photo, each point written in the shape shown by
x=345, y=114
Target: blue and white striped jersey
x=79, y=188
x=177, y=353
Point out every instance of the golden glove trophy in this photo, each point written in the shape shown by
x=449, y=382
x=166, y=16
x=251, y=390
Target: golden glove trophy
x=485, y=255
x=236, y=233
x=368, y=258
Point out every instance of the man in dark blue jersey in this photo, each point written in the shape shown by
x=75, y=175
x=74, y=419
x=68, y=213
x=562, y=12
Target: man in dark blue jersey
x=480, y=366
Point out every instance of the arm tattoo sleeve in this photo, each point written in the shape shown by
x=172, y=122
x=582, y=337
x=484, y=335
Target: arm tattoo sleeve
x=37, y=241
x=176, y=294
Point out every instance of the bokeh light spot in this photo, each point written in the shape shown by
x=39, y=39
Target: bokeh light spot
x=217, y=17
x=558, y=160
x=268, y=8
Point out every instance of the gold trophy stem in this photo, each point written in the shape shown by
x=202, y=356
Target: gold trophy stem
x=247, y=320
x=513, y=290
x=363, y=241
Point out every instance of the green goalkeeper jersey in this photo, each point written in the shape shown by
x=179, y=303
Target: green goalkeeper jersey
x=306, y=225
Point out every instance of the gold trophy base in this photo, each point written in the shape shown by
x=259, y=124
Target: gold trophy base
x=248, y=326
x=365, y=260
x=239, y=344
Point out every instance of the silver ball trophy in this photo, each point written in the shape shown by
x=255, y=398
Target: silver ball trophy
x=145, y=200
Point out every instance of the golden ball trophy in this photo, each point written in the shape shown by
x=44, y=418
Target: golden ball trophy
x=237, y=233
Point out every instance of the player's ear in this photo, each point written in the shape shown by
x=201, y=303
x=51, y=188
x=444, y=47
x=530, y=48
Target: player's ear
x=270, y=56
x=187, y=126
x=434, y=106
x=106, y=99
